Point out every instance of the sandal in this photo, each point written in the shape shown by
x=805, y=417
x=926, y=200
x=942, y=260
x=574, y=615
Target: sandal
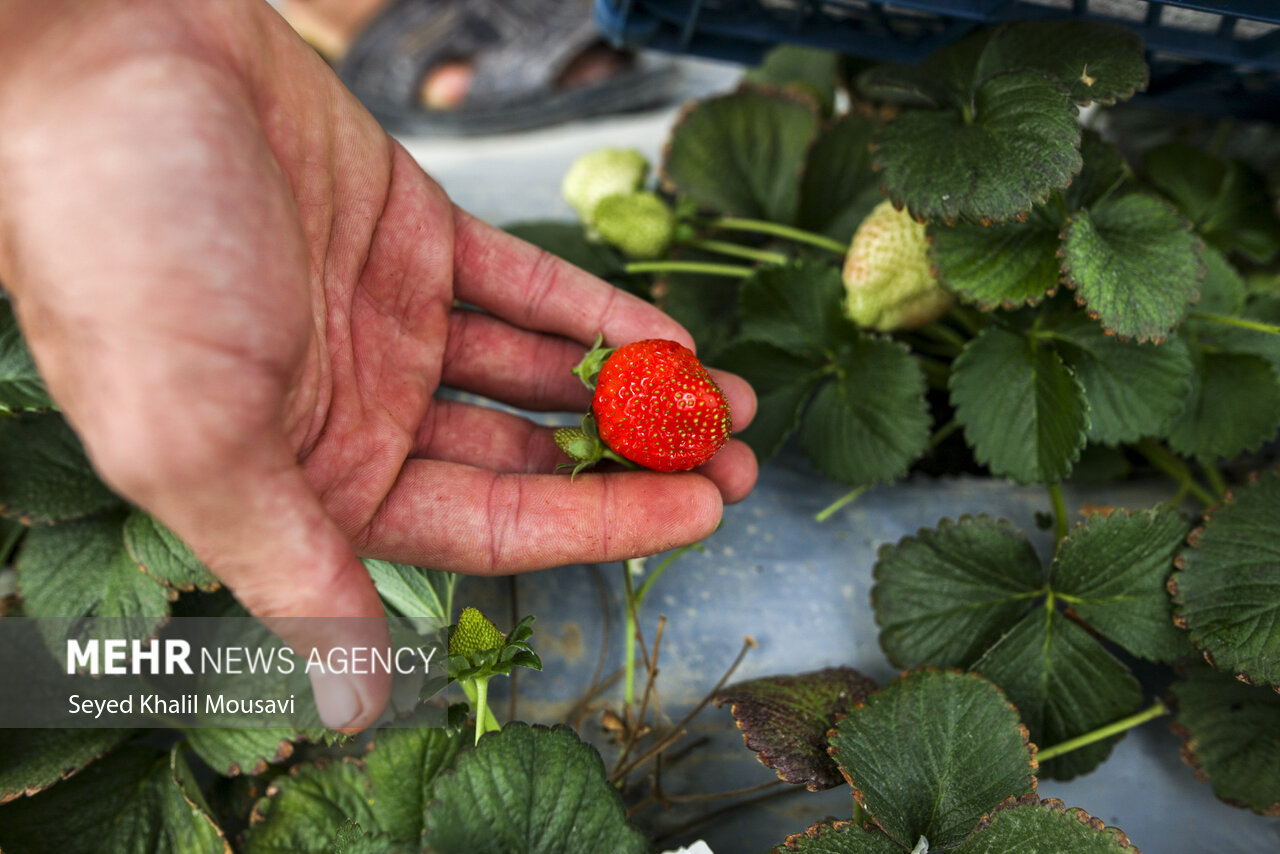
x=518, y=52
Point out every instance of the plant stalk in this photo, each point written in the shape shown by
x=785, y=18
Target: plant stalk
x=629, y=632
x=799, y=235
x=1216, y=482
x=835, y=506
x=724, y=247
x=698, y=267
x=477, y=692
x=1160, y=457
x=1060, y=522
x=1238, y=322
x=1153, y=711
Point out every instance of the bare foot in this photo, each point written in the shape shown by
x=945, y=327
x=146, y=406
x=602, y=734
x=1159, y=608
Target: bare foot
x=445, y=86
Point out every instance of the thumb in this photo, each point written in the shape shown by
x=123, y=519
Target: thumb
x=262, y=530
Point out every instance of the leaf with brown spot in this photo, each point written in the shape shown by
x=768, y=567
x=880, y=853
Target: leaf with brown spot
x=1046, y=825
x=1231, y=737
x=32, y=760
x=932, y=753
x=1228, y=591
x=785, y=720
x=840, y=837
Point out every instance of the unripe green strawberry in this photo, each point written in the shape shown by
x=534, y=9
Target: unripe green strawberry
x=473, y=633
x=888, y=278
x=656, y=405
x=598, y=174
x=640, y=224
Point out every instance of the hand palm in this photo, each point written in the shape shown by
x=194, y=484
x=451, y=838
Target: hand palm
x=244, y=300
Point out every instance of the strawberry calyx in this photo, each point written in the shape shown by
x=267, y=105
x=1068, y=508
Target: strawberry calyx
x=584, y=446
x=589, y=368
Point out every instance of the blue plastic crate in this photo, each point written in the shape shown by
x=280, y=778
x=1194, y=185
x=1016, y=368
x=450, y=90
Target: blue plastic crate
x=1205, y=55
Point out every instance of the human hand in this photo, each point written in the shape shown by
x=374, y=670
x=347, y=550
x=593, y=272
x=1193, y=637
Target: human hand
x=242, y=294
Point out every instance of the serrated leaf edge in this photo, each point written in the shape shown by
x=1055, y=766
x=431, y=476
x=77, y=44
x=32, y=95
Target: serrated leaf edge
x=664, y=180
x=257, y=816
x=1032, y=749
x=1180, y=566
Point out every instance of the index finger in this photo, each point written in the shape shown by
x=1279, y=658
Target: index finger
x=533, y=289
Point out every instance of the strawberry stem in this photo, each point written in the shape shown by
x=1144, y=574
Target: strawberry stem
x=697, y=267
x=1153, y=711
x=1238, y=322
x=837, y=505
x=1060, y=523
x=477, y=692
x=1163, y=459
x=799, y=235
x=629, y=633
x=1216, y=481
x=724, y=247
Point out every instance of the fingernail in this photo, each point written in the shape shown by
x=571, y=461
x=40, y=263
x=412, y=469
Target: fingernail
x=336, y=699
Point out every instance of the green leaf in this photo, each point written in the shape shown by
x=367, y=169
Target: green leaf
x=998, y=265
x=1104, y=169
x=1232, y=737
x=872, y=422
x=1113, y=569
x=782, y=382
x=704, y=305
x=1233, y=406
x=160, y=554
x=413, y=591
x=568, y=240
x=932, y=753
x=1227, y=592
x=945, y=595
x=1064, y=685
x=304, y=812
x=1023, y=412
x=1133, y=390
x=838, y=187
x=1135, y=263
x=798, y=307
x=134, y=801
x=80, y=570
x=529, y=790
x=1225, y=200
x=1044, y=826
x=402, y=766
x=946, y=76
x=805, y=70
x=740, y=153
x=1097, y=62
x=841, y=837
x=785, y=720
x=21, y=387
x=32, y=760
x=1019, y=144
x=237, y=750
x=44, y=474
x=1223, y=290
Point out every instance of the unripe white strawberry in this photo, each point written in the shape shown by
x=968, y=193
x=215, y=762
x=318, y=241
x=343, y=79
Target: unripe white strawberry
x=888, y=278
x=640, y=224
x=601, y=173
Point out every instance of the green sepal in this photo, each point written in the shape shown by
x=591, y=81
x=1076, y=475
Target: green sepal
x=589, y=368
x=514, y=651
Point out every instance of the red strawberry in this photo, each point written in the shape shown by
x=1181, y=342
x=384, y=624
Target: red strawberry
x=656, y=405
